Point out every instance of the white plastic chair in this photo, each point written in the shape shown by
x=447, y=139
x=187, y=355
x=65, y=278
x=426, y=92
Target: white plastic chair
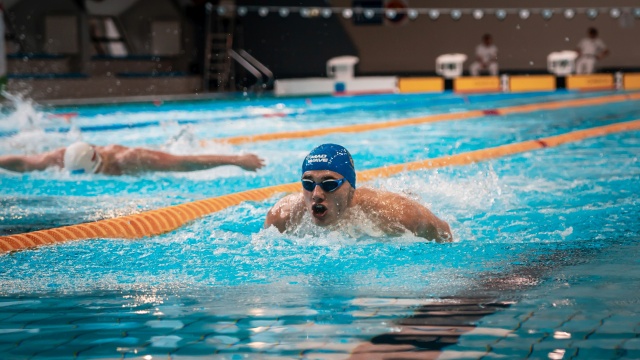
x=562, y=63
x=342, y=67
x=450, y=65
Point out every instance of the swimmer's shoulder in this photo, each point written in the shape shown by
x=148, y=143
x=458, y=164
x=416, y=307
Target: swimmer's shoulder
x=370, y=198
x=289, y=205
x=113, y=158
x=286, y=212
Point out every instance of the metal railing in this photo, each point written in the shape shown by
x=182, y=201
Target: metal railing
x=264, y=76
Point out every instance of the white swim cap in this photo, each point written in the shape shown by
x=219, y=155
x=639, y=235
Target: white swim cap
x=81, y=158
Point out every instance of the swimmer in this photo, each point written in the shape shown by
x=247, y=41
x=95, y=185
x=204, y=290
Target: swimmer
x=83, y=158
x=329, y=198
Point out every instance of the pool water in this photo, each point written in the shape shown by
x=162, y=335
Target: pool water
x=543, y=265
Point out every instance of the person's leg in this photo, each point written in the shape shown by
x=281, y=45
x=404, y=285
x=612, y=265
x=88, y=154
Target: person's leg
x=590, y=65
x=474, y=69
x=580, y=66
x=493, y=68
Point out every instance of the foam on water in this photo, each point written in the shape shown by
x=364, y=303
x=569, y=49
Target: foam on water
x=30, y=123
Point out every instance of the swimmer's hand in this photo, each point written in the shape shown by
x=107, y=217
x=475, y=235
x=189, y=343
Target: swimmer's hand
x=250, y=162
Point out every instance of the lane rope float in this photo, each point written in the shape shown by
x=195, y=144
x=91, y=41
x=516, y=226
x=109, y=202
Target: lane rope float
x=155, y=222
x=554, y=105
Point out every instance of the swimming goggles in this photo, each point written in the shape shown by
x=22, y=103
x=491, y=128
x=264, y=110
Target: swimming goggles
x=329, y=185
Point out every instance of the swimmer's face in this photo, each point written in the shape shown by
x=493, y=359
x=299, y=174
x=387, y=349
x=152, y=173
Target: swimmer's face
x=326, y=207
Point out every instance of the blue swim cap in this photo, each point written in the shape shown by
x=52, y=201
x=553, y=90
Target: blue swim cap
x=331, y=157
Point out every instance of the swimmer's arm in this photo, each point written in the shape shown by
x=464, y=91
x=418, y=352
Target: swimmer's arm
x=24, y=163
x=138, y=159
x=394, y=209
x=424, y=223
x=287, y=212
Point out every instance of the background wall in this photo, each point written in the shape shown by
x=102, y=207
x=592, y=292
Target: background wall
x=28, y=17
x=299, y=47
x=296, y=47
x=522, y=44
x=137, y=22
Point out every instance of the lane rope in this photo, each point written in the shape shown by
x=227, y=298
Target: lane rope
x=155, y=222
x=517, y=109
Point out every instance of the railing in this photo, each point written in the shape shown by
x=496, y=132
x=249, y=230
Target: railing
x=268, y=75
x=264, y=76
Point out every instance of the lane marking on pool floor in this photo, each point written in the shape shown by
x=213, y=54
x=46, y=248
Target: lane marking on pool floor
x=517, y=109
x=163, y=220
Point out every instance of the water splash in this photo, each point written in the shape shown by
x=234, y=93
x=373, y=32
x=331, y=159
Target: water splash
x=29, y=123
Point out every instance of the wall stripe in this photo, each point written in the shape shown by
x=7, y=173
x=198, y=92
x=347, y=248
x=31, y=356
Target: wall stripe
x=155, y=222
x=426, y=119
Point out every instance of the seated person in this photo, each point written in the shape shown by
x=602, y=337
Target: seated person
x=83, y=158
x=486, y=57
x=590, y=50
x=329, y=197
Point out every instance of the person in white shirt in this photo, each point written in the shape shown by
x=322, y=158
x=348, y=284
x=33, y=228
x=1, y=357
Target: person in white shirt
x=486, y=57
x=590, y=50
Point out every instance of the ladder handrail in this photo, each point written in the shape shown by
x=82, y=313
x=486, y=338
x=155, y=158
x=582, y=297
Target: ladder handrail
x=245, y=64
x=260, y=66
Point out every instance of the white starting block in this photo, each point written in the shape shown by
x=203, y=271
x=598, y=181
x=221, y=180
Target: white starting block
x=449, y=66
x=342, y=67
x=562, y=63
x=340, y=80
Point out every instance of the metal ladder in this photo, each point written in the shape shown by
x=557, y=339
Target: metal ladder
x=220, y=57
x=218, y=42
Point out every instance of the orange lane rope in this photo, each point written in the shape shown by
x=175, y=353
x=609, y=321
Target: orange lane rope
x=163, y=220
x=426, y=119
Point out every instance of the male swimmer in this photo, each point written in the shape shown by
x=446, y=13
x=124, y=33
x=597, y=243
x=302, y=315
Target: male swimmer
x=329, y=197
x=83, y=158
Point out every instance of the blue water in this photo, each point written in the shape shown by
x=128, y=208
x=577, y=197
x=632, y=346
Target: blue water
x=549, y=231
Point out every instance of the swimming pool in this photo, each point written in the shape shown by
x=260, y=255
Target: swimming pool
x=544, y=264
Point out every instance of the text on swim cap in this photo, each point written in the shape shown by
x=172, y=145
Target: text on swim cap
x=317, y=158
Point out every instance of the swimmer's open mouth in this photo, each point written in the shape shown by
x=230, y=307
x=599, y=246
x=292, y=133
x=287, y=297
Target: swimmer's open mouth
x=318, y=210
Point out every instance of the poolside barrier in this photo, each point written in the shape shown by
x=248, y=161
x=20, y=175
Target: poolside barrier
x=421, y=84
x=521, y=83
x=590, y=82
x=554, y=105
x=631, y=81
x=163, y=220
x=476, y=84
